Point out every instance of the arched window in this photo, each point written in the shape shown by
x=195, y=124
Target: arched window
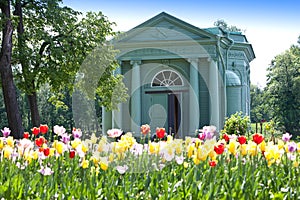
x=166, y=78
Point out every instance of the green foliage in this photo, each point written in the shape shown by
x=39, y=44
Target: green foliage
x=283, y=89
x=259, y=106
x=236, y=124
x=3, y=118
x=222, y=24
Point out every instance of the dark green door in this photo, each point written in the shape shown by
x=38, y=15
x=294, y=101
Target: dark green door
x=162, y=110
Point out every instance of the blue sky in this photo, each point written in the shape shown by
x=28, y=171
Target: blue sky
x=271, y=26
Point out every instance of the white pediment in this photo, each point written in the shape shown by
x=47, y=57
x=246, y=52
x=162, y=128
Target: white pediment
x=164, y=27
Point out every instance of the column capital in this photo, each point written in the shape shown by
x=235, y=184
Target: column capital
x=135, y=62
x=193, y=60
x=211, y=59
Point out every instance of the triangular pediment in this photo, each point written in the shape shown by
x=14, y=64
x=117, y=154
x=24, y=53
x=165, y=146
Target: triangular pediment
x=164, y=27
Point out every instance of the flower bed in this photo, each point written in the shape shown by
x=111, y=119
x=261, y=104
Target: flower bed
x=233, y=167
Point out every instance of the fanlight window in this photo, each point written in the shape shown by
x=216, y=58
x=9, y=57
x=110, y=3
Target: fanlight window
x=167, y=78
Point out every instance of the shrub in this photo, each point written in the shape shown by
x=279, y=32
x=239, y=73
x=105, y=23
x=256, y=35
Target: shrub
x=237, y=124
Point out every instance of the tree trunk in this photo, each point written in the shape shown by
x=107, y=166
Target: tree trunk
x=9, y=91
x=31, y=95
x=33, y=105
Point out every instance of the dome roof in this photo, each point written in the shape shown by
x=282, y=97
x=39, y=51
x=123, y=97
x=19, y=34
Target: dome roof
x=232, y=79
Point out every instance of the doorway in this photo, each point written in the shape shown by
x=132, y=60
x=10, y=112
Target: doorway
x=162, y=109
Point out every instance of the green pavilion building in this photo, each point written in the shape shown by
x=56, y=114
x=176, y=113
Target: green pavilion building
x=180, y=77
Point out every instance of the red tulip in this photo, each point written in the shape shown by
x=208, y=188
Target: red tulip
x=46, y=151
x=72, y=154
x=242, y=139
x=160, y=132
x=35, y=131
x=258, y=138
x=40, y=141
x=212, y=163
x=219, y=149
x=26, y=135
x=44, y=128
x=225, y=137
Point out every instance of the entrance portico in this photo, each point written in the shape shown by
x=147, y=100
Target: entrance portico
x=176, y=76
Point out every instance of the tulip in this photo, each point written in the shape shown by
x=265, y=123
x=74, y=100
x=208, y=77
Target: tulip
x=286, y=137
x=5, y=132
x=46, y=151
x=26, y=135
x=212, y=163
x=72, y=154
x=44, y=128
x=219, y=149
x=122, y=169
x=59, y=130
x=225, y=137
x=46, y=171
x=35, y=131
x=242, y=139
x=40, y=141
x=160, y=132
x=114, y=133
x=292, y=147
x=257, y=138
x=76, y=133
x=145, y=129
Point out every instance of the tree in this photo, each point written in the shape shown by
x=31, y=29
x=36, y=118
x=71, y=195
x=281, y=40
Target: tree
x=52, y=43
x=222, y=24
x=259, y=105
x=8, y=86
x=283, y=89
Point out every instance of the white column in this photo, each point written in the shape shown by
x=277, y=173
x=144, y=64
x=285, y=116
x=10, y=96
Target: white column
x=135, y=97
x=214, y=93
x=194, y=112
x=117, y=114
x=106, y=120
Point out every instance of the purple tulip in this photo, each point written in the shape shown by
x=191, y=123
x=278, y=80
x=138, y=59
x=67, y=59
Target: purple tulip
x=286, y=137
x=5, y=132
x=292, y=147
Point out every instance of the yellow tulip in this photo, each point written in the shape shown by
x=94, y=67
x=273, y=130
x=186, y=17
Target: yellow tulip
x=52, y=151
x=280, y=144
x=111, y=157
x=252, y=148
x=295, y=164
x=169, y=138
x=35, y=155
x=191, y=149
x=103, y=165
x=75, y=143
x=212, y=155
x=186, y=164
x=84, y=148
x=85, y=164
x=59, y=147
x=153, y=148
x=10, y=141
x=243, y=149
x=201, y=154
x=7, y=151
x=197, y=142
x=1, y=143
x=298, y=147
x=196, y=160
x=232, y=147
x=262, y=146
